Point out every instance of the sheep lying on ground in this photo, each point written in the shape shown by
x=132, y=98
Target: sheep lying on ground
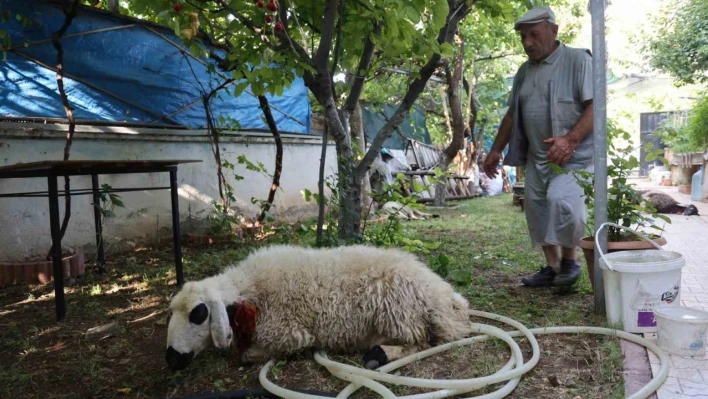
x=341, y=300
x=401, y=211
x=664, y=203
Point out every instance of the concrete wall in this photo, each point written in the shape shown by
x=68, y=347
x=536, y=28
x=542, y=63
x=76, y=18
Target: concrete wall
x=24, y=223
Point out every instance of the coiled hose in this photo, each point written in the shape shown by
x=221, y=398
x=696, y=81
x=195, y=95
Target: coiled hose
x=511, y=372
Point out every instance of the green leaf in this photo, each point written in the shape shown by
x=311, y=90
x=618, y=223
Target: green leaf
x=446, y=50
x=663, y=217
x=238, y=90
x=461, y=277
x=306, y=194
x=651, y=157
x=439, y=10
x=411, y=13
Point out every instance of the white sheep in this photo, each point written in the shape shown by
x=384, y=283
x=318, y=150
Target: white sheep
x=341, y=299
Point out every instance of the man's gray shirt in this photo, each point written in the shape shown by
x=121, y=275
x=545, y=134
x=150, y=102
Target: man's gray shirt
x=547, y=101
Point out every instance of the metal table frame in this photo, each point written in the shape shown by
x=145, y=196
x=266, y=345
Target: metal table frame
x=52, y=174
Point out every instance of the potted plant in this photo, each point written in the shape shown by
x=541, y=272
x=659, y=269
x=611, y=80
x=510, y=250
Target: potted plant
x=625, y=207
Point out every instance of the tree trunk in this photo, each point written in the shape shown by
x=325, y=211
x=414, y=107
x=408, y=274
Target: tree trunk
x=351, y=172
x=349, y=187
x=263, y=101
x=444, y=101
x=216, y=150
x=70, y=12
x=472, y=116
x=357, y=129
x=320, y=189
x=458, y=123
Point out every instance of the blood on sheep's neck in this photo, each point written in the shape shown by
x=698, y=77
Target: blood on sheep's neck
x=243, y=323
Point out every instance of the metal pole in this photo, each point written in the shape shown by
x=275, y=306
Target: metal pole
x=98, y=224
x=600, y=140
x=56, y=247
x=175, y=226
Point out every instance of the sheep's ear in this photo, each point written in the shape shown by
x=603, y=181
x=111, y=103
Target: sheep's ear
x=220, y=328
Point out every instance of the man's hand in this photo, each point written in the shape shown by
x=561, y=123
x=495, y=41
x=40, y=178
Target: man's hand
x=491, y=162
x=562, y=149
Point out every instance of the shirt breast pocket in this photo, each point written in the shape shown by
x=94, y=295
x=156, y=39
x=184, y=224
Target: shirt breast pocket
x=568, y=109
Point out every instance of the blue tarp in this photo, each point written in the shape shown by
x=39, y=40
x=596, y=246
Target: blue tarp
x=413, y=126
x=138, y=76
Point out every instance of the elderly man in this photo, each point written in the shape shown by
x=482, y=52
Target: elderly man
x=549, y=121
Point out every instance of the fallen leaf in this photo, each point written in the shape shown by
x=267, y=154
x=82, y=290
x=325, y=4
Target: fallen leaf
x=124, y=390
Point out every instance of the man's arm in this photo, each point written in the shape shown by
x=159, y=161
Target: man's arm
x=563, y=147
x=500, y=142
x=504, y=133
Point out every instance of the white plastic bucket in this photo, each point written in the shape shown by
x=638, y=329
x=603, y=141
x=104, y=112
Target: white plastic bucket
x=682, y=330
x=638, y=282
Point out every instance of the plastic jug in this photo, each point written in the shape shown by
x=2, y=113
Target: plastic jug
x=697, y=185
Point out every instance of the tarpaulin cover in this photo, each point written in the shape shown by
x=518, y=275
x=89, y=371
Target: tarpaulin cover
x=138, y=76
x=413, y=126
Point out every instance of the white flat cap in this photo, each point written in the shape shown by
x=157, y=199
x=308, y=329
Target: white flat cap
x=536, y=15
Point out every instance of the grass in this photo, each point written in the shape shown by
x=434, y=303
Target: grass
x=485, y=237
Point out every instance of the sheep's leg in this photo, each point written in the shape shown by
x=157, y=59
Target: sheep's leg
x=380, y=355
x=254, y=354
x=270, y=346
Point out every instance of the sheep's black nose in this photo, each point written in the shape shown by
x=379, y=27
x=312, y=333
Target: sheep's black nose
x=178, y=361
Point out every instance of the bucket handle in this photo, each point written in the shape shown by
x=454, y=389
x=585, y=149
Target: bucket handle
x=597, y=243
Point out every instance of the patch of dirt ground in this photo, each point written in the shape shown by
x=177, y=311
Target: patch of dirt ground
x=45, y=359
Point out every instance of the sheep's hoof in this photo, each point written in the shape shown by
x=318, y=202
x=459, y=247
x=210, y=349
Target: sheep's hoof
x=375, y=358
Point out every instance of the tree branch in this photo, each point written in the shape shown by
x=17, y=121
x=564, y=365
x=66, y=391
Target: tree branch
x=453, y=96
x=286, y=40
x=263, y=101
x=245, y=21
x=337, y=48
x=455, y=15
x=311, y=25
x=323, y=50
x=364, y=64
x=204, y=9
x=494, y=57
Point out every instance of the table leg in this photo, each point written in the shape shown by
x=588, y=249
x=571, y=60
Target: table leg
x=99, y=225
x=56, y=248
x=175, y=226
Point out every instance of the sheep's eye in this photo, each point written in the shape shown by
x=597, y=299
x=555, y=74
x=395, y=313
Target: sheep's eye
x=199, y=314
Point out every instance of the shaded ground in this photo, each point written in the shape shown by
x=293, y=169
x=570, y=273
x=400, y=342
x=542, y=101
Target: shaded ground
x=46, y=359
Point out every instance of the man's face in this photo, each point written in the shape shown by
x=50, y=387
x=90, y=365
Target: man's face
x=538, y=39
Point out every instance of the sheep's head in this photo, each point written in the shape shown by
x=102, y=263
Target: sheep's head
x=198, y=316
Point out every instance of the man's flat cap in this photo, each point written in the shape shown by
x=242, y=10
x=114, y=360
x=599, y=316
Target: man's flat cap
x=536, y=15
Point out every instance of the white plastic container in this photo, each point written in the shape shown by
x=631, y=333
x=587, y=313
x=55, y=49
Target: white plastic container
x=682, y=330
x=638, y=282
